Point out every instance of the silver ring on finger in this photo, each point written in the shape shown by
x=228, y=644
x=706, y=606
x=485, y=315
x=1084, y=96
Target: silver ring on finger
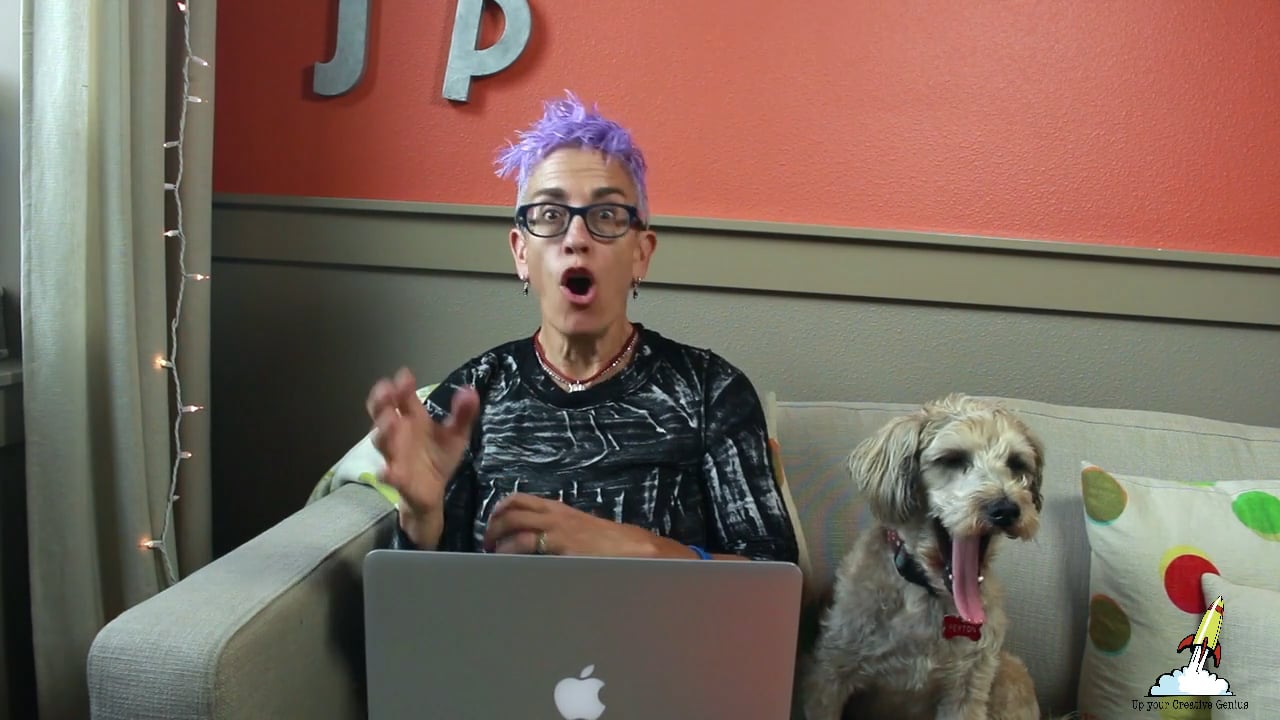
x=540, y=546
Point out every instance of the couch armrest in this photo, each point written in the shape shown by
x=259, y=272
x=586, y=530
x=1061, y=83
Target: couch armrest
x=273, y=629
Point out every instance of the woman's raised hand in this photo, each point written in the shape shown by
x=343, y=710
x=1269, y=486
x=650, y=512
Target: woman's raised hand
x=421, y=454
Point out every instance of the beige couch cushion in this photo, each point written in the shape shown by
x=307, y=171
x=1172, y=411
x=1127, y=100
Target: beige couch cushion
x=1048, y=579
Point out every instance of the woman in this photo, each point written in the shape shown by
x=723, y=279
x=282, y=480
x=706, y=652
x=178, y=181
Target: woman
x=595, y=435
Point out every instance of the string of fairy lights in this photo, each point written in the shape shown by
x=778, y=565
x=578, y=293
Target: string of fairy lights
x=162, y=544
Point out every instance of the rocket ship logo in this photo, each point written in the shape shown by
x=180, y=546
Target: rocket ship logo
x=1205, y=640
x=1193, y=679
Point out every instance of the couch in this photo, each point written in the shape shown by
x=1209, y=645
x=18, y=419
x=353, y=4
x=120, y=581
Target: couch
x=273, y=628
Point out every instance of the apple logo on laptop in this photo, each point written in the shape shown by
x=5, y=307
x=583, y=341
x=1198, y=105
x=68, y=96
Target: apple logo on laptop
x=579, y=698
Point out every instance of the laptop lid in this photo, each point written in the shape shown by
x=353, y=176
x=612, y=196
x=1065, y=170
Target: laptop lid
x=484, y=636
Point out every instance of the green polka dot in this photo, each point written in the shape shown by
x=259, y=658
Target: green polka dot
x=1104, y=499
x=1108, y=625
x=1260, y=512
x=387, y=491
x=1187, y=707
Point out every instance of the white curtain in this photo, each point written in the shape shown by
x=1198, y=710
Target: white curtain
x=100, y=95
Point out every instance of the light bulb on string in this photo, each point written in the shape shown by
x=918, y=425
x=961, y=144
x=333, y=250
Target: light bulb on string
x=178, y=233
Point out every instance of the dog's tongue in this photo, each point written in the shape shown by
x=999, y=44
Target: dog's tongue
x=964, y=578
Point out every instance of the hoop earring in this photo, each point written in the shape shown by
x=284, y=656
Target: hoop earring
x=526, y=286
x=635, y=288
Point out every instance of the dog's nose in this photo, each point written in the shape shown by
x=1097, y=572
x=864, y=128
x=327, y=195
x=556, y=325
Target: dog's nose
x=1003, y=512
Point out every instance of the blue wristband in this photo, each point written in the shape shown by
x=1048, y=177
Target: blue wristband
x=701, y=553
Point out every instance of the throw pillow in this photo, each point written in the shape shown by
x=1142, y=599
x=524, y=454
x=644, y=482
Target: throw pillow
x=1151, y=541
x=361, y=464
x=1248, y=640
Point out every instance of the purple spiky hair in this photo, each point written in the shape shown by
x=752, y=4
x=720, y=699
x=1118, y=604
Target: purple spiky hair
x=567, y=122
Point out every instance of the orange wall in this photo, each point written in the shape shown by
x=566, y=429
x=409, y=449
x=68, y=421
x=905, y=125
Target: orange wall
x=1153, y=123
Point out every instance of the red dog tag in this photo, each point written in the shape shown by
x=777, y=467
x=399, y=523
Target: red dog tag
x=953, y=626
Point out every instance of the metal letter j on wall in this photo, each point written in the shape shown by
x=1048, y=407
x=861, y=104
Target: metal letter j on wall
x=466, y=62
x=341, y=73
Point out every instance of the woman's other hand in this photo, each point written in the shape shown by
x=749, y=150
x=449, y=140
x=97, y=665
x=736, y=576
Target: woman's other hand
x=519, y=521
x=421, y=454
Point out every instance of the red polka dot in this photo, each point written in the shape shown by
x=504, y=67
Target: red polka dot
x=1182, y=582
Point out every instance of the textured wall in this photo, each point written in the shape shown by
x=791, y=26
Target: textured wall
x=295, y=350
x=1150, y=124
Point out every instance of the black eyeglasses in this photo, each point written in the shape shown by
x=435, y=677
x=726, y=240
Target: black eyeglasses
x=605, y=221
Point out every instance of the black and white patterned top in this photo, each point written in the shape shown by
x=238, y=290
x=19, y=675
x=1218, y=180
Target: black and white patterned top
x=674, y=443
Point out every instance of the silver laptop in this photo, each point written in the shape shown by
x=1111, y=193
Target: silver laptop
x=468, y=636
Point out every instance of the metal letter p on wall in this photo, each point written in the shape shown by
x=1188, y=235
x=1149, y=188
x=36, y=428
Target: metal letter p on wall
x=466, y=62
x=341, y=73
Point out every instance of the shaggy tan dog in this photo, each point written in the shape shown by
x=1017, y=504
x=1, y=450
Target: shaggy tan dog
x=916, y=626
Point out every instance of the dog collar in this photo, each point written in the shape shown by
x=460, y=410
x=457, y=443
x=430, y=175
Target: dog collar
x=954, y=626
x=908, y=567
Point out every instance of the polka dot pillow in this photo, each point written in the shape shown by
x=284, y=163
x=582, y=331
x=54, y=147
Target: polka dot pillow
x=361, y=464
x=1250, y=636
x=1151, y=541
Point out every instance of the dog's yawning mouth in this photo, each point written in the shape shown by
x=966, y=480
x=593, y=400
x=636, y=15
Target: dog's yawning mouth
x=963, y=559
x=579, y=285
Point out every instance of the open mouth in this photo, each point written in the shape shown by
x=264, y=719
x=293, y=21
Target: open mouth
x=578, y=284
x=963, y=560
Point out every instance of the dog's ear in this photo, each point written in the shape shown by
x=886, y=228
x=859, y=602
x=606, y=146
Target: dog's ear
x=886, y=467
x=1037, y=469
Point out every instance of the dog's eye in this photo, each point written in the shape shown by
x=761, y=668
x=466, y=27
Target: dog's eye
x=954, y=460
x=1017, y=465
